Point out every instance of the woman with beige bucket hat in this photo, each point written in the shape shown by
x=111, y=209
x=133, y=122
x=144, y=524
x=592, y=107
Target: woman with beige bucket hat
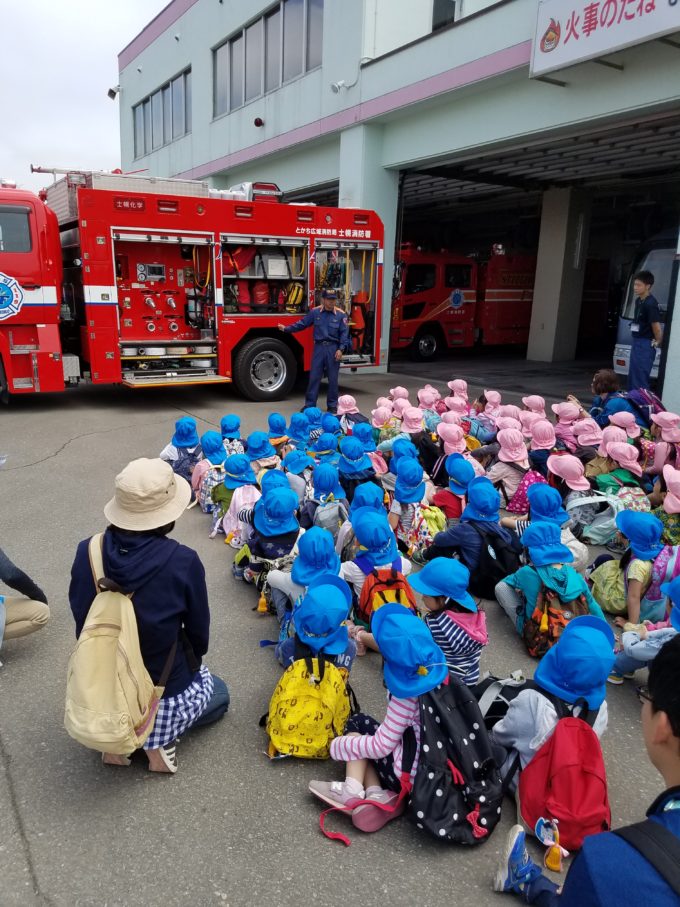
x=169, y=596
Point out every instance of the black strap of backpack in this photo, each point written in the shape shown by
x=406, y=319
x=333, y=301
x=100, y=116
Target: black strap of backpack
x=659, y=846
x=167, y=667
x=409, y=749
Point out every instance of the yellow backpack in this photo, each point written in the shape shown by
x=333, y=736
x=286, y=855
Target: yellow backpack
x=295, y=296
x=111, y=700
x=309, y=708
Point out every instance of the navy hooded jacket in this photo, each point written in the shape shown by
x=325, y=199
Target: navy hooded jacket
x=169, y=596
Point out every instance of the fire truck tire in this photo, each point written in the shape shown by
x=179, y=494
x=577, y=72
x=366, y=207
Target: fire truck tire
x=264, y=369
x=4, y=389
x=428, y=344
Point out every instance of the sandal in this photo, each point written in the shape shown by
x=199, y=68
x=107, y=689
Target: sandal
x=168, y=755
x=116, y=760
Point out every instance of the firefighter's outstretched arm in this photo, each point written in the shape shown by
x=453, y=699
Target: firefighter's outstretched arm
x=304, y=322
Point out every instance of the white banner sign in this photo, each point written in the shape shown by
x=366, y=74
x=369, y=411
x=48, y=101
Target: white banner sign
x=571, y=31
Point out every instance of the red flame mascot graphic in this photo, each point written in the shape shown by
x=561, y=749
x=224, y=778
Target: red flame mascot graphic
x=551, y=38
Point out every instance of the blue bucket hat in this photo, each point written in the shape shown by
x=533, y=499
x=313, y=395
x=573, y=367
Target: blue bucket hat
x=330, y=423
x=230, y=426
x=298, y=430
x=297, y=461
x=353, y=459
x=259, y=447
x=186, y=433
x=316, y=556
x=277, y=425
x=413, y=662
x=238, y=471
x=402, y=447
x=327, y=483
x=273, y=478
x=543, y=540
x=375, y=534
x=274, y=513
x=483, y=501
x=313, y=414
x=546, y=504
x=460, y=471
x=410, y=485
x=325, y=445
x=643, y=531
x=577, y=667
x=370, y=495
x=319, y=616
x=445, y=576
x=672, y=590
x=213, y=448
x=363, y=432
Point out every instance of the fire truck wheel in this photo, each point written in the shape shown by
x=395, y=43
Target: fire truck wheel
x=264, y=369
x=427, y=345
x=4, y=389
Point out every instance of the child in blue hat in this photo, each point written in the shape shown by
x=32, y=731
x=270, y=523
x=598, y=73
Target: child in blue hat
x=367, y=495
x=275, y=530
x=378, y=548
x=457, y=623
x=209, y=472
x=639, y=647
x=576, y=668
x=363, y=432
x=549, y=566
x=403, y=447
x=184, y=450
x=451, y=501
x=325, y=449
x=315, y=556
x=298, y=431
x=327, y=507
x=230, y=427
x=625, y=587
x=261, y=453
x=330, y=424
x=405, y=510
x=277, y=432
x=413, y=664
x=313, y=414
x=354, y=466
x=318, y=619
x=298, y=467
x=240, y=492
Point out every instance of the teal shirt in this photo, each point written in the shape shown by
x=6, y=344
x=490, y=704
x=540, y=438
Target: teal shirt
x=565, y=581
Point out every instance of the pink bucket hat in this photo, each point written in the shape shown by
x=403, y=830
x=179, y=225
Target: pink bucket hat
x=566, y=412
x=458, y=387
x=588, y=433
x=626, y=421
x=380, y=416
x=569, y=468
x=412, y=421
x=527, y=420
x=456, y=404
x=493, y=401
x=513, y=449
x=612, y=434
x=510, y=411
x=669, y=423
x=453, y=438
x=347, y=404
x=543, y=435
x=626, y=456
x=671, y=503
x=401, y=404
x=451, y=418
x=426, y=398
x=534, y=404
x=384, y=402
x=503, y=422
x=437, y=396
x=398, y=393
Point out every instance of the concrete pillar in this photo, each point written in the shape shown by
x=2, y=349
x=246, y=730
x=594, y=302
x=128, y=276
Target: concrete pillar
x=562, y=248
x=670, y=392
x=365, y=183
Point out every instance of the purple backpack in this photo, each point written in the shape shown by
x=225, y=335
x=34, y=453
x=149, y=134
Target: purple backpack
x=519, y=502
x=644, y=402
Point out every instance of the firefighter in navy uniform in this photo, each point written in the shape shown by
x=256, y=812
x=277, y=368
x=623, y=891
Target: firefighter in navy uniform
x=331, y=340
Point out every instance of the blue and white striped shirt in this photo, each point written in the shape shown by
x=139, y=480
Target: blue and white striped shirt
x=461, y=650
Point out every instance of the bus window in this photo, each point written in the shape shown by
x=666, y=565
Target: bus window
x=15, y=229
x=660, y=263
x=458, y=277
x=420, y=278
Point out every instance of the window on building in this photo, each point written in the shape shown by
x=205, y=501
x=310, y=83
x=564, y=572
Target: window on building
x=420, y=278
x=15, y=229
x=443, y=13
x=163, y=116
x=281, y=45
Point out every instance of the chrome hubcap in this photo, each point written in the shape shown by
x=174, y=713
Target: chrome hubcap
x=268, y=371
x=427, y=345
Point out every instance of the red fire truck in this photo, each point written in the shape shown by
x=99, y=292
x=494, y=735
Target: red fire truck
x=144, y=282
x=443, y=299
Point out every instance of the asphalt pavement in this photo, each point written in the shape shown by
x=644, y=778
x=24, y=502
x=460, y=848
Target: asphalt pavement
x=230, y=827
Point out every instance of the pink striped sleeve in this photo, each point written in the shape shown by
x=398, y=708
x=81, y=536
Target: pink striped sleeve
x=401, y=713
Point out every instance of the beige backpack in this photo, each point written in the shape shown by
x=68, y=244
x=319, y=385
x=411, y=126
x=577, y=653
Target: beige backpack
x=111, y=700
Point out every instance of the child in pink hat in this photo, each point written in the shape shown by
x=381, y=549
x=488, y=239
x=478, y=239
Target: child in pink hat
x=459, y=388
x=567, y=414
x=412, y=421
x=398, y=393
x=401, y=404
x=451, y=418
x=452, y=437
x=513, y=461
x=627, y=469
x=385, y=426
x=601, y=464
x=509, y=411
x=543, y=442
x=434, y=391
x=567, y=475
x=627, y=422
x=527, y=420
x=384, y=402
x=503, y=422
x=588, y=438
x=456, y=405
x=534, y=404
x=665, y=430
x=426, y=402
x=492, y=402
x=348, y=413
x=669, y=511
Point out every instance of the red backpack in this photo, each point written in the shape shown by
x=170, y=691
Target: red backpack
x=383, y=585
x=566, y=780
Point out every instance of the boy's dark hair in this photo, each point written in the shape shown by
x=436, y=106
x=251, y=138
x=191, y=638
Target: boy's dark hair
x=605, y=381
x=159, y=531
x=645, y=277
x=664, y=683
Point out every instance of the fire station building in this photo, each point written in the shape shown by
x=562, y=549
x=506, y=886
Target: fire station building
x=552, y=126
